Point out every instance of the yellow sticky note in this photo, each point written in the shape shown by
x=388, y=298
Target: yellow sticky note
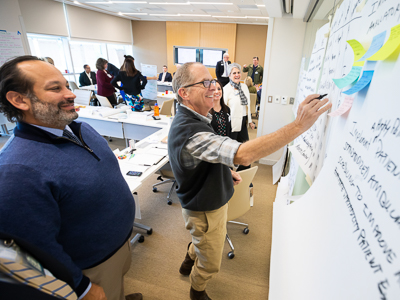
x=388, y=48
x=358, y=49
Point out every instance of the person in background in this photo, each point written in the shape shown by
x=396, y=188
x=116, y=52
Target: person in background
x=49, y=60
x=200, y=160
x=177, y=67
x=132, y=83
x=61, y=186
x=112, y=69
x=221, y=114
x=165, y=76
x=249, y=82
x=255, y=71
x=87, y=77
x=221, y=69
x=104, y=86
x=237, y=98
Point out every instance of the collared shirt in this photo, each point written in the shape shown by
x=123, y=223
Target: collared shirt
x=225, y=69
x=90, y=78
x=163, y=76
x=209, y=147
x=55, y=131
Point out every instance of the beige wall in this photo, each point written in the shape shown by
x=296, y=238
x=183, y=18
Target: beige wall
x=250, y=42
x=149, y=43
x=103, y=27
x=153, y=41
x=196, y=34
x=43, y=16
x=181, y=34
x=216, y=35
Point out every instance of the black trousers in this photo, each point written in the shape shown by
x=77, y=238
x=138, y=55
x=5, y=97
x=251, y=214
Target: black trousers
x=242, y=136
x=224, y=80
x=112, y=100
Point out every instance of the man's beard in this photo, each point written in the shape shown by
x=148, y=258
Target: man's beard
x=52, y=114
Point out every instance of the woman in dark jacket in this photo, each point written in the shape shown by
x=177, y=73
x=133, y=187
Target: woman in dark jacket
x=104, y=87
x=221, y=113
x=133, y=82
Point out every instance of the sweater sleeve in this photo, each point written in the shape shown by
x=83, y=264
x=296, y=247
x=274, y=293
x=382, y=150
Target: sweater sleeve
x=115, y=84
x=143, y=80
x=29, y=210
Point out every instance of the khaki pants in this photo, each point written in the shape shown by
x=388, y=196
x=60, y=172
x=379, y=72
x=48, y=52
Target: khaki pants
x=208, y=230
x=110, y=274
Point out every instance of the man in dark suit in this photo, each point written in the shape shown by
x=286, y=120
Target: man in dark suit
x=87, y=77
x=165, y=76
x=221, y=69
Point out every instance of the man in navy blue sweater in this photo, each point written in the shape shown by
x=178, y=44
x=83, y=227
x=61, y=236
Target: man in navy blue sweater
x=61, y=186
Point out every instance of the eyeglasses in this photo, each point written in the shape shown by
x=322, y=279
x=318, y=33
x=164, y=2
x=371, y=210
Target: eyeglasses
x=206, y=83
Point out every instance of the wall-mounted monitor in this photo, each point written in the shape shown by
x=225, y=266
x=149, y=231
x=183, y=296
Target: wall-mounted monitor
x=207, y=56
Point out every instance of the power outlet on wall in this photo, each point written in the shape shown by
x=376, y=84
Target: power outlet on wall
x=277, y=99
x=269, y=99
x=284, y=100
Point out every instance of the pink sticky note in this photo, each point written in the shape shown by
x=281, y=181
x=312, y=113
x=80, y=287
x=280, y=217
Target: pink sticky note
x=344, y=107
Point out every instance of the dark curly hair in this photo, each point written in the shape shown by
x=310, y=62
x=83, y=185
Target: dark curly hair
x=13, y=79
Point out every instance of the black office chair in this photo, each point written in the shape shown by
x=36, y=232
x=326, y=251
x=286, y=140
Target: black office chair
x=166, y=172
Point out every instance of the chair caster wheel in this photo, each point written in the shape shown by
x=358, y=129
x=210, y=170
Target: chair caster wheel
x=149, y=232
x=169, y=202
x=231, y=255
x=246, y=230
x=141, y=239
x=155, y=190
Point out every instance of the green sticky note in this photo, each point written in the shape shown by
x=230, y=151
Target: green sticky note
x=349, y=78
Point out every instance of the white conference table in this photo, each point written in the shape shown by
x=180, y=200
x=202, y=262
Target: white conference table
x=135, y=182
x=125, y=125
x=89, y=87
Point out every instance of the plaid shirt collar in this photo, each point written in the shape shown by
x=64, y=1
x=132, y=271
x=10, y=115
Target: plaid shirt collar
x=201, y=117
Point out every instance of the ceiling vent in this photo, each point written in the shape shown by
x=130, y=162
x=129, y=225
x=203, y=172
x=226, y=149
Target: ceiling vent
x=248, y=7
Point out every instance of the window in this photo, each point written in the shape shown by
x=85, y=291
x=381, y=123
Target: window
x=83, y=53
x=116, y=53
x=54, y=47
x=70, y=56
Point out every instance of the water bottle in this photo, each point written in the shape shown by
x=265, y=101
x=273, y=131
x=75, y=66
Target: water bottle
x=156, y=110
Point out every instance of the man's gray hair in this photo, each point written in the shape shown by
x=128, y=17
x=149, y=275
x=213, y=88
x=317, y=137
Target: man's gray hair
x=226, y=54
x=183, y=77
x=233, y=66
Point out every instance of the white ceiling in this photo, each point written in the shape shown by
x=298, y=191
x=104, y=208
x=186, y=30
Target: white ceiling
x=224, y=11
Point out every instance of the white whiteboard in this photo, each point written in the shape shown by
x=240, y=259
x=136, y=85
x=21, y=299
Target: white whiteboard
x=10, y=45
x=341, y=240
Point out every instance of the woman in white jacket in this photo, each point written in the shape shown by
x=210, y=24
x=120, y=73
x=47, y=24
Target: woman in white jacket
x=237, y=97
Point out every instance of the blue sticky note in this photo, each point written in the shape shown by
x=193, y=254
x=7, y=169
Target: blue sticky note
x=349, y=78
x=377, y=43
x=362, y=83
